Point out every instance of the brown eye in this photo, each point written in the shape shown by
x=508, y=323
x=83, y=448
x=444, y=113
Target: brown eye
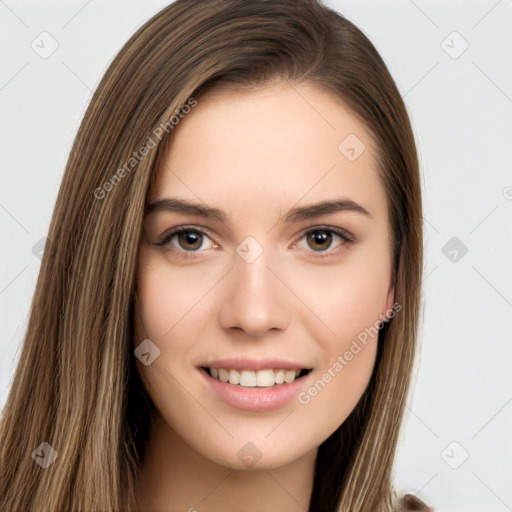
x=319, y=239
x=185, y=240
x=325, y=241
x=190, y=240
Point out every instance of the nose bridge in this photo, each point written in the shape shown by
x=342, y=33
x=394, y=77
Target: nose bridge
x=255, y=301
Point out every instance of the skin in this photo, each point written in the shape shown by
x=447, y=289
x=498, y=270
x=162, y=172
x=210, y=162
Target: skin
x=255, y=155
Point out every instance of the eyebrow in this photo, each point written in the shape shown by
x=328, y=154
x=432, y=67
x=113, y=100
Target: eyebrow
x=175, y=204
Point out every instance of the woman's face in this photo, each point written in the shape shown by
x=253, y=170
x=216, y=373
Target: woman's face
x=267, y=281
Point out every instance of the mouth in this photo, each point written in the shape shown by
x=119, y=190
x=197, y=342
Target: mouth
x=265, y=378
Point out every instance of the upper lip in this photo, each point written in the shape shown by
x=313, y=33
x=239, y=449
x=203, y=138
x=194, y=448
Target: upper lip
x=247, y=363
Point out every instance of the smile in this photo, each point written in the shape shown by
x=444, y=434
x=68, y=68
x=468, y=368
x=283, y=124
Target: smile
x=260, y=378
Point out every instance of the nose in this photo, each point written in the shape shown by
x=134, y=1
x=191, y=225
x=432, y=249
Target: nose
x=255, y=298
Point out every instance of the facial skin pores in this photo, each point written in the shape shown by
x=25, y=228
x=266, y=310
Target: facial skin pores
x=253, y=303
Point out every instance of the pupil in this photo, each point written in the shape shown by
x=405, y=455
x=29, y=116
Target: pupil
x=319, y=237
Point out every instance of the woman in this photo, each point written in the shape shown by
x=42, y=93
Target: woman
x=229, y=297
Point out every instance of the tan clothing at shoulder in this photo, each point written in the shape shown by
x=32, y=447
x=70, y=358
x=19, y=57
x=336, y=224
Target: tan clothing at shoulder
x=411, y=503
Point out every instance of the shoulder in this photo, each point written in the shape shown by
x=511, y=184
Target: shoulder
x=410, y=503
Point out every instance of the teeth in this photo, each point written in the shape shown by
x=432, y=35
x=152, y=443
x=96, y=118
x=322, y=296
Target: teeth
x=234, y=377
x=265, y=378
x=247, y=379
x=279, y=377
x=251, y=379
x=223, y=375
x=289, y=375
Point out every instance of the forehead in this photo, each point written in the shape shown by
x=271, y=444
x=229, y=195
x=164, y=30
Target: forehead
x=270, y=147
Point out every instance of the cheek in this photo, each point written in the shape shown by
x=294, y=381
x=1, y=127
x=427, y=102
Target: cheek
x=349, y=302
x=347, y=298
x=174, y=310
x=167, y=298
x=336, y=389
x=170, y=307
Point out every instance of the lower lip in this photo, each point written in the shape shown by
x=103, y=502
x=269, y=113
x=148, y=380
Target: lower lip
x=256, y=399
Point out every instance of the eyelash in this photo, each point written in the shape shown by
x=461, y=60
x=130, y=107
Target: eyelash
x=168, y=235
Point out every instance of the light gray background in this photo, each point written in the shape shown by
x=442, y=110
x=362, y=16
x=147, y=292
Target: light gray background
x=461, y=110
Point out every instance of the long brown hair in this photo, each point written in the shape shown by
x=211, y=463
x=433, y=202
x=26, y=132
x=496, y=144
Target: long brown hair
x=76, y=386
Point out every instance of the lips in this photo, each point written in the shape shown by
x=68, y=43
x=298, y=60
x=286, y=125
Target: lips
x=255, y=384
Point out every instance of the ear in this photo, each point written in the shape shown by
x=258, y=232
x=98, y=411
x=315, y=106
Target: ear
x=390, y=299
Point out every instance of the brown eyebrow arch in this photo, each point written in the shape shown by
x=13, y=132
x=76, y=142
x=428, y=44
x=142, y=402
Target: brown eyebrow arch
x=325, y=208
x=175, y=204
